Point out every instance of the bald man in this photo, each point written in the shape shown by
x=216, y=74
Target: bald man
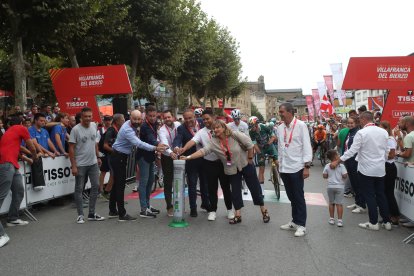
x=122, y=148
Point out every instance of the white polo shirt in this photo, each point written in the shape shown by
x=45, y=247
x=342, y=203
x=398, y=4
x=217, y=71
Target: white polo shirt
x=203, y=138
x=167, y=135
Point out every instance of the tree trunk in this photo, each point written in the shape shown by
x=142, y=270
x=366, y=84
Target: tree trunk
x=133, y=74
x=72, y=55
x=205, y=98
x=212, y=105
x=224, y=104
x=174, y=99
x=19, y=72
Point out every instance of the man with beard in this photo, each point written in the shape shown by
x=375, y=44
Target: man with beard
x=145, y=160
x=213, y=167
x=167, y=134
x=193, y=168
x=408, y=127
x=84, y=158
x=122, y=148
x=295, y=156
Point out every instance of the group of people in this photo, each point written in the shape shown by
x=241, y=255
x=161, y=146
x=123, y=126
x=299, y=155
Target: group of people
x=215, y=153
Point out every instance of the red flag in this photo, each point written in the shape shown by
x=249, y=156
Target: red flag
x=326, y=106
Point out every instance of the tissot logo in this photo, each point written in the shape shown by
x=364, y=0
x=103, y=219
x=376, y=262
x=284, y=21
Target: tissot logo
x=76, y=102
x=404, y=186
x=54, y=174
x=406, y=98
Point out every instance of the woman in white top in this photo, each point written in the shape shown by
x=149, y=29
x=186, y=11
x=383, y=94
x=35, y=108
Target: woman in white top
x=235, y=150
x=391, y=174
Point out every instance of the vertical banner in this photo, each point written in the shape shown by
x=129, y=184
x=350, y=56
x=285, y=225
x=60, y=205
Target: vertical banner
x=311, y=110
x=316, y=101
x=329, y=86
x=326, y=105
x=338, y=79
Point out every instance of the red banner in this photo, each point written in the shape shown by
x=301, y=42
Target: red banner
x=380, y=73
x=398, y=104
x=76, y=88
x=376, y=103
x=316, y=100
x=311, y=111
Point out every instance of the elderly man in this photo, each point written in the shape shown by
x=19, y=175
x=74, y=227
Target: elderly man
x=370, y=143
x=122, y=148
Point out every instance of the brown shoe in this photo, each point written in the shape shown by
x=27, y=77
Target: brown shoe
x=170, y=212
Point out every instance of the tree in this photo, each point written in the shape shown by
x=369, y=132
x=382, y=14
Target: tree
x=255, y=112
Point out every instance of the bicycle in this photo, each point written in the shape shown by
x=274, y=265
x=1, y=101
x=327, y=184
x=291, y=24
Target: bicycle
x=321, y=154
x=275, y=176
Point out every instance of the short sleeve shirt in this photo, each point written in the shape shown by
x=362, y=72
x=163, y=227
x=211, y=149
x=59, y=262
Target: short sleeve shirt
x=10, y=144
x=41, y=136
x=85, y=143
x=335, y=179
x=262, y=136
x=110, y=136
x=58, y=129
x=409, y=144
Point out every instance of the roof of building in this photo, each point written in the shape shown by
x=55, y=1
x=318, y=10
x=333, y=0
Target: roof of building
x=292, y=90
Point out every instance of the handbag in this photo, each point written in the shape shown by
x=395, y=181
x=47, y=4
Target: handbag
x=243, y=147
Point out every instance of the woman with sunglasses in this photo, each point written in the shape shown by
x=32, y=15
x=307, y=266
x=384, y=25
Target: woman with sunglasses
x=235, y=150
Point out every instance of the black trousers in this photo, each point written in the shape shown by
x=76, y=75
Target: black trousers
x=351, y=166
x=118, y=163
x=250, y=176
x=390, y=176
x=294, y=184
x=168, y=171
x=214, y=172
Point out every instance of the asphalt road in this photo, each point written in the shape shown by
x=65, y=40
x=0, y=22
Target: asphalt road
x=56, y=245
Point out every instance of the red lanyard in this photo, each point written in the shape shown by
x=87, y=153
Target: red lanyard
x=291, y=134
x=116, y=129
x=169, y=133
x=209, y=134
x=153, y=130
x=370, y=124
x=227, y=153
x=191, y=130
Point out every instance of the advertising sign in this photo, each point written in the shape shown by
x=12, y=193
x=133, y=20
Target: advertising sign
x=399, y=103
x=404, y=190
x=380, y=73
x=76, y=88
x=376, y=103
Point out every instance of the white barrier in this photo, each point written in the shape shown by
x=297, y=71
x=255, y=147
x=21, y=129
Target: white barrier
x=404, y=190
x=6, y=203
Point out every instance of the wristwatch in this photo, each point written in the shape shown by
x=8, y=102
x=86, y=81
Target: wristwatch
x=307, y=165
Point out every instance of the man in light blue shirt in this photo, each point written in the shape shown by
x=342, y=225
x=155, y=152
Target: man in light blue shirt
x=125, y=141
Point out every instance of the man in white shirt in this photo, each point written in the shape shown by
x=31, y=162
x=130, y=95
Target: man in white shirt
x=237, y=124
x=213, y=167
x=370, y=143
x=167, y=134
x=295, y=156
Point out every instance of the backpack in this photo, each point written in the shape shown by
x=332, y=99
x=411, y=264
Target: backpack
x=101, y=141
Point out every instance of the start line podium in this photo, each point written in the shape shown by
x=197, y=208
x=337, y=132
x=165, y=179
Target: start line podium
x=179, y=195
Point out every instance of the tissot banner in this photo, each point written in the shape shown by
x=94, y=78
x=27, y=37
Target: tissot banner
x=399, y=103
x=380, y=73
x=76, y=88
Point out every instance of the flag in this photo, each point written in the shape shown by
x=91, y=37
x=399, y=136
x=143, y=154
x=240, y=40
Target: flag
x=338, y=79
x=326, y=106
x=329, y=85
x=311, y=111
x=316, y=100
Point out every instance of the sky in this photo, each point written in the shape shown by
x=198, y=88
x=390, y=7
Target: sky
x=292, y=43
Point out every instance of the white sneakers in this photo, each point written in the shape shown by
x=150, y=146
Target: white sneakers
x=212, y=216
x=359, y=210
x=300, y=231
x=352, y=206
x=387, y=226
x=331, y=221
x=340, y=223
x=80, y=220
x=17, y=222
x=4, y=240
x=369, y=226
x=230, y=214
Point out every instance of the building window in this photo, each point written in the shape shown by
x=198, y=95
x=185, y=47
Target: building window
x=358, y=97
x=365, y=95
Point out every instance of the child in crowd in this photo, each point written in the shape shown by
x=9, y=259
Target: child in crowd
x=336, y=185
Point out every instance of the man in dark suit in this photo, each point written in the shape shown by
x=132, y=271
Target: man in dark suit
x=193, y=168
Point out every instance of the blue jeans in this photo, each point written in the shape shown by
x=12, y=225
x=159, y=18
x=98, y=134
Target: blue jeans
x=373, y=192
x=83, y=173
x=294, y=189
x=146, y=180
x=11, y=179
